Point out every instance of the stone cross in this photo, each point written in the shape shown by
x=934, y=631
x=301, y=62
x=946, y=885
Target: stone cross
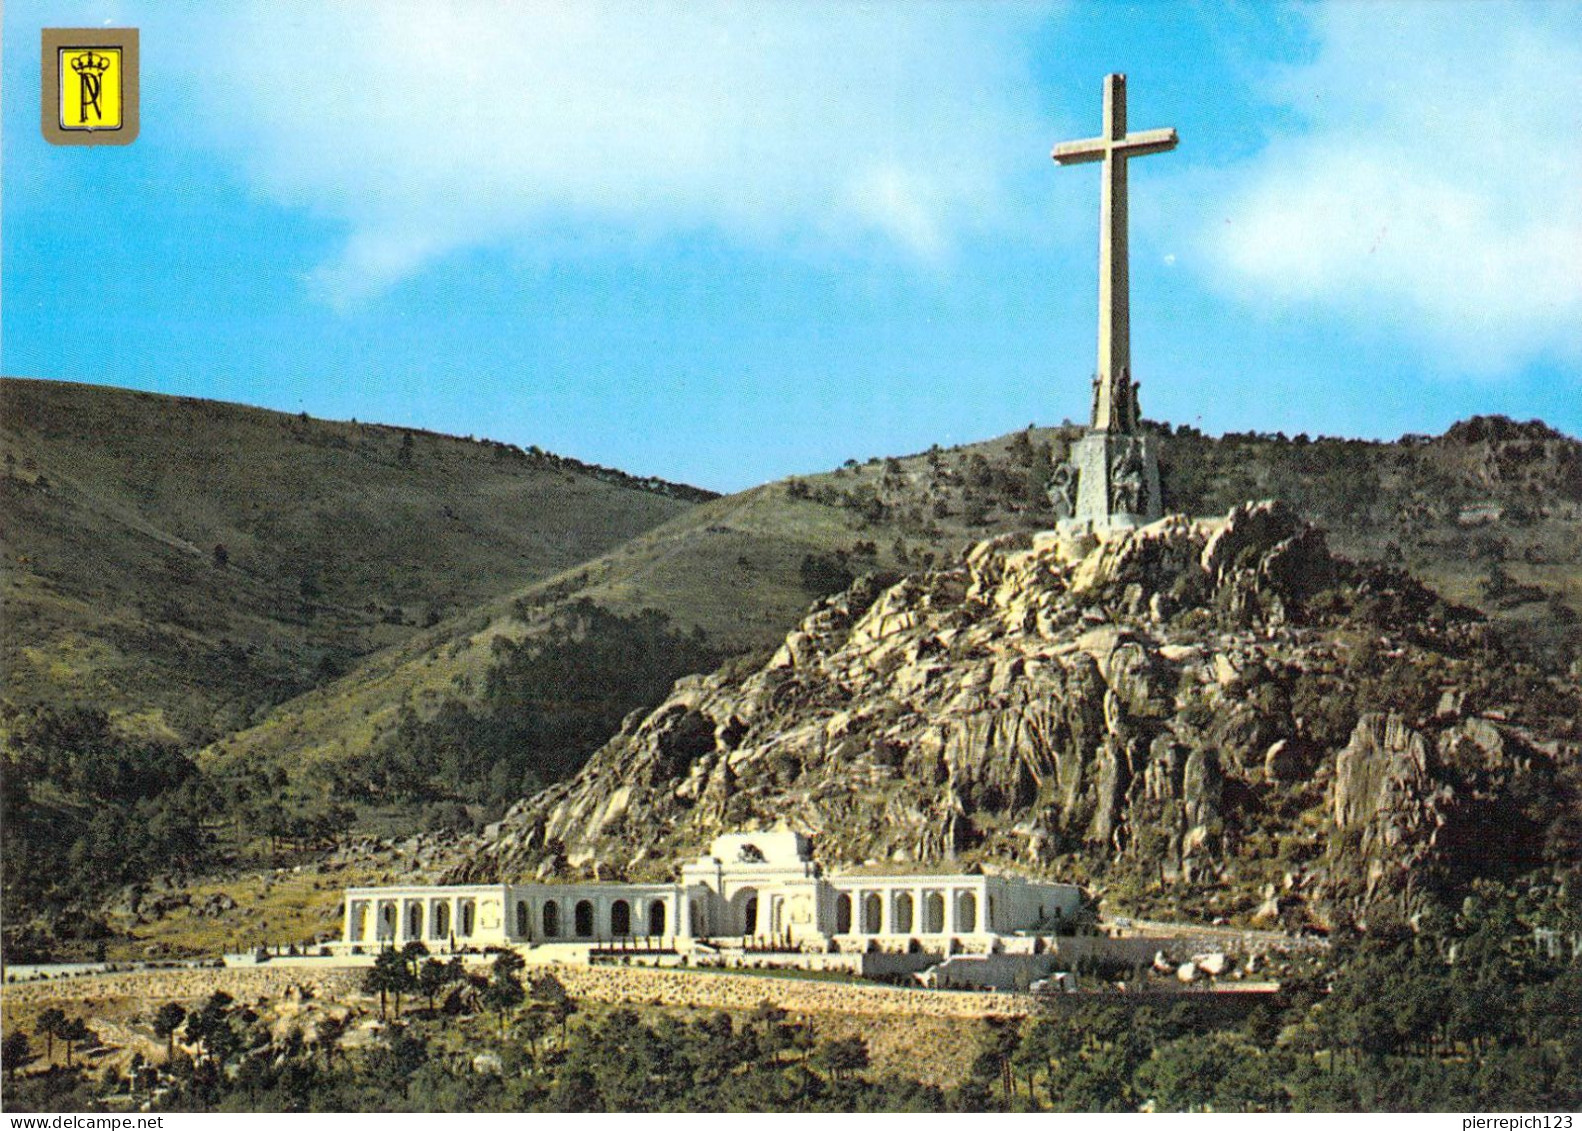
x=1114, y=404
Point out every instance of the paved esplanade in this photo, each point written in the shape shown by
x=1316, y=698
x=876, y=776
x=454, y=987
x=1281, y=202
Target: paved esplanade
x=1113, y=472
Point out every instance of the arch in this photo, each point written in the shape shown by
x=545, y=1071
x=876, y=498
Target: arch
x=744, y=910
x=469, y=917
x=522, y=929
x=386, y=927
x=359, y=921
x=656, y=917
x=582, y=918
x=620, y=917
x=414, y=920
x=694, y=917
x=901, y=913
x=551, y=919
x=872, y=913
x=439, y=921
x=933, y=914
x=966, y=912
x=843, y=914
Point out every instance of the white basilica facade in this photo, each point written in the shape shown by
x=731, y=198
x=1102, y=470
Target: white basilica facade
x=752, y=888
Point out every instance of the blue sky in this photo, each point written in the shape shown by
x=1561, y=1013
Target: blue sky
x=727, y=243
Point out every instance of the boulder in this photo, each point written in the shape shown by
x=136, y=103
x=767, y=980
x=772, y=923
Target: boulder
x=1213, y=964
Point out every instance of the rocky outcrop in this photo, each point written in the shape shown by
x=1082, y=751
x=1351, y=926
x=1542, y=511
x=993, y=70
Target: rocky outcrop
x=1385, y=797
x=1138, y=709
x=1382, y=781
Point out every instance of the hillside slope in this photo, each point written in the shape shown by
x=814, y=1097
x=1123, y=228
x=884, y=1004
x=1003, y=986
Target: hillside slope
x=183, y=563
x=740, y=568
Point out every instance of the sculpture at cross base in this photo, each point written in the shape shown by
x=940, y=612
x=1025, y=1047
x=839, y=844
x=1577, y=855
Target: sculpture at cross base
x=1112, y=476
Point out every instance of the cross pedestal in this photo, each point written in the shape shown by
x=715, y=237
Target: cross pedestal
x=1117, y=478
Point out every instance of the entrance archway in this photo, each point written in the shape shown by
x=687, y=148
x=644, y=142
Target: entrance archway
x=551, y=920
x=933, y=914
x=441, y=919
x=843, y=914
x=744, y=908
x=468, y=911
x=656, y=918
x=414, y=920
x=620, y=918
x=582, y=917
x=521, y=919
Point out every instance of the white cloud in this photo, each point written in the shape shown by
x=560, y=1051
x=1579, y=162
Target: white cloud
x=1433, y=186
x=428, y=127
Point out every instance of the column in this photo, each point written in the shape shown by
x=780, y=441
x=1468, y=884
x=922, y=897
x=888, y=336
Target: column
x=346, y=921
x=919, y=913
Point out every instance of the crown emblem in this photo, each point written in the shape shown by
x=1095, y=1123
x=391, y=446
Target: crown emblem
x=90, y=63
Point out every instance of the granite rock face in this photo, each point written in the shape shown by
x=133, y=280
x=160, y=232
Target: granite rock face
x=1194, y=706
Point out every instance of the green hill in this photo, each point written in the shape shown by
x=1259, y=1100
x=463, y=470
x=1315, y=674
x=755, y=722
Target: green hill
x=183, y=564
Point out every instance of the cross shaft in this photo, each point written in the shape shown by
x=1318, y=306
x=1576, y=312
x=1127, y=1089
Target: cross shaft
x=1112, y=401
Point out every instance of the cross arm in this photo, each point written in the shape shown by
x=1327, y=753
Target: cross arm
x=1081, y=152
x=1147, y=141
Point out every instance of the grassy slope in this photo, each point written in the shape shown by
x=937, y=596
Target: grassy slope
x=730, y=566
x=112, y=503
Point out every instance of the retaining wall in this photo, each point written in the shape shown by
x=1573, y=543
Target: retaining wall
x=701, y=988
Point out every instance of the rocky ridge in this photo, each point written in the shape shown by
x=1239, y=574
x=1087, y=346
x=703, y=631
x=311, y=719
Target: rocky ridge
x=1215, y=716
